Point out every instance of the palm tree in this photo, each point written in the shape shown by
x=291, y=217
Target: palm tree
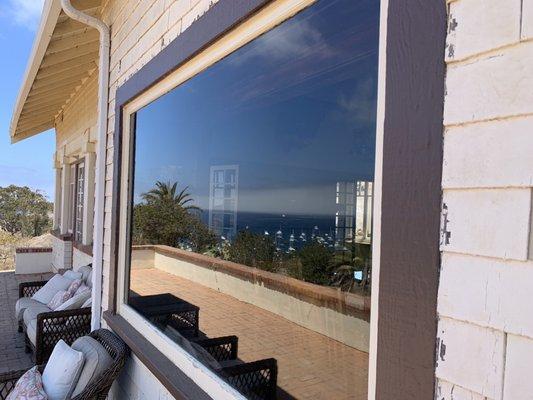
x=166, y=192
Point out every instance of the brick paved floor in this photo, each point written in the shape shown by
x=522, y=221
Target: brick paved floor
x=311, y=365
x=12, y=355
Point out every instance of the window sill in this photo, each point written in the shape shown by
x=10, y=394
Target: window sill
x=179, y=385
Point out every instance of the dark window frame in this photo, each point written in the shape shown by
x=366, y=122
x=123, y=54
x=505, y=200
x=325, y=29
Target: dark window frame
x=78, y=234
x=73, y=197
x=414, y=102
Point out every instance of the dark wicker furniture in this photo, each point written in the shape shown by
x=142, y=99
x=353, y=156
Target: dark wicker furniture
x=28, y=289
x=53, y=326
x=256, y=380
x=97, y=390
x=167, y=309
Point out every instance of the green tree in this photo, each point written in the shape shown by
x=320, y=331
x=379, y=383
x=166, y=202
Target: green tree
x=315, y=259
x=24, y=211
x=167, y=192
x=166, y=217
x=254, y=250
x=158, y=222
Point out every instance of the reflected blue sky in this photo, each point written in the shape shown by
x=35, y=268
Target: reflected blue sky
x=295, y=110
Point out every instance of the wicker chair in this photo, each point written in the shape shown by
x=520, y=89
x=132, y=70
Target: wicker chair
x=53, y=326
x=255, y=380
x=97, y=390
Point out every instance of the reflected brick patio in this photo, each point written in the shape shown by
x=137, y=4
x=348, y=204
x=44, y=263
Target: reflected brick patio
x=12, y=355
x=311, y=365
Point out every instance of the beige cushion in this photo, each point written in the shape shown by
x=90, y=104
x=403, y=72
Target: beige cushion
x=54, y=285
x=31, y=331
x=59, y=298
x=60, y=376
x=87, y=275
x=97, y=361
x=72, y=275
x=32, y=312
x=22, y=304
x=75, y=302
x=29, y=387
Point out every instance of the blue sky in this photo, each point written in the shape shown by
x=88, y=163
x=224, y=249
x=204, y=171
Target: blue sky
x=295, y=110
x=28, y=162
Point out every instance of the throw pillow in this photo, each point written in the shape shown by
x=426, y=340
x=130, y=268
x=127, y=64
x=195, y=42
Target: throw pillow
x=29, y=387
x=83, y=288
x=97, y=361
x=74, y=286
x=62, y=371
x=72, y=275
x=54, y=285
x=75, y=301
x=59, y=298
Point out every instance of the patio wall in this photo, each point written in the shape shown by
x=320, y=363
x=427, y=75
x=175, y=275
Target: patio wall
x=484, y=305
x=62, y=253
x=339, y=315
x=33, y=260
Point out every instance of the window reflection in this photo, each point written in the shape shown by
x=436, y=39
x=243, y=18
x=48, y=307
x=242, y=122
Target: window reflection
x=251, y=227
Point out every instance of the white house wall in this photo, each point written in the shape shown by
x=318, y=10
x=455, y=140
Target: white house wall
x=485, y=311
x=75, y=135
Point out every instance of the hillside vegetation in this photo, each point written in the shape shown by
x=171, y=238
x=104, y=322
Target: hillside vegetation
x=25, y=220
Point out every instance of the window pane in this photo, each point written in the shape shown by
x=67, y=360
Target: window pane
x=80, y=193
x=252, y=205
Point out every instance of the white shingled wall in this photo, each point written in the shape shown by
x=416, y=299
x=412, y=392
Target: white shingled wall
x=485, y=309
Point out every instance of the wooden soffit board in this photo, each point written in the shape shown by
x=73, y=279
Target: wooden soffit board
x=64, y=56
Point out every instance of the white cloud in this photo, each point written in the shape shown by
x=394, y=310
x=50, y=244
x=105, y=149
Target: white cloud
x=26, y=13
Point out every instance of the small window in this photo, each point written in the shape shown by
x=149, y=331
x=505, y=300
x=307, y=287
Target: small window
x=250, y=204
x=72, y=199
x=79, y=204
x=76, y=197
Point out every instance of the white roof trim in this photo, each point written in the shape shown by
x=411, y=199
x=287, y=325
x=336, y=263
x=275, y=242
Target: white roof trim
x=50, y=15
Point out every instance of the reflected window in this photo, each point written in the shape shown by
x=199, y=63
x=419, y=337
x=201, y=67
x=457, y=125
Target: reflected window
x=252, y=204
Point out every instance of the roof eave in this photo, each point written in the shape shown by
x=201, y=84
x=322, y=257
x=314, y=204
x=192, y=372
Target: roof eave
x=50, y=15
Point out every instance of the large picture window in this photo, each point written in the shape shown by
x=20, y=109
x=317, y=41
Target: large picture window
x=251, y=207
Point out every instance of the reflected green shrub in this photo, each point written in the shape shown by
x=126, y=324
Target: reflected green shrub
x=315, y=260
x=254, y=250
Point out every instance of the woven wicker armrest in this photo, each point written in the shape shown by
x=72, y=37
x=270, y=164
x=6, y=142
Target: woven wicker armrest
x=255, y=380
x=222, y=348
x=118, y=352
x=28, y=289
x=54, y=326
x=8, y=381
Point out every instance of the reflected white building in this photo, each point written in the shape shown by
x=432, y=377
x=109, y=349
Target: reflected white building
x=364, y=210
x=353, y=218
x=223, y=200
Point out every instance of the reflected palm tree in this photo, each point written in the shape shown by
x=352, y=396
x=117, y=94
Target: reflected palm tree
x=167, y=192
